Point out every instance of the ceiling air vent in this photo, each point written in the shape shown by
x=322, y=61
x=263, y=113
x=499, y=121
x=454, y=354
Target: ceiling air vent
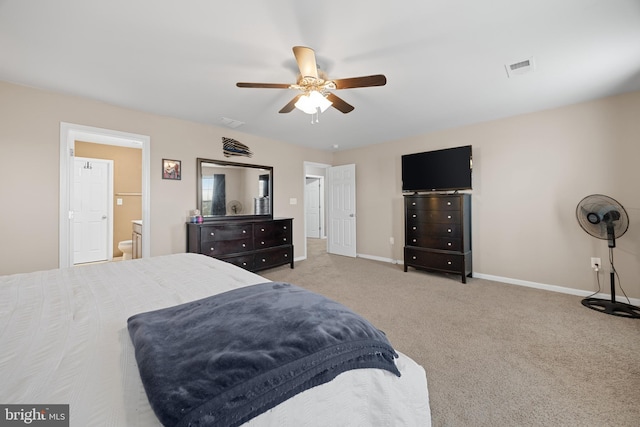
x=230, y=123
x=521, y=67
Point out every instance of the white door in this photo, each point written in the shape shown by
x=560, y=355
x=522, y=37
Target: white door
x=312, y=207
x=342, y=210
x=92, y=184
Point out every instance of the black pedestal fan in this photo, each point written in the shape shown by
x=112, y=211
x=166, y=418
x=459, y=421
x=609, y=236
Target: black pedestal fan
x=604, y=218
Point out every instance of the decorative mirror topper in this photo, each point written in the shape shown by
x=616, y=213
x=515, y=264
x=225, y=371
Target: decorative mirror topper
x=231, y=147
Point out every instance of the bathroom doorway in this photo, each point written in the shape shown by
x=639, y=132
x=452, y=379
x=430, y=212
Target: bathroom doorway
x=69, y=134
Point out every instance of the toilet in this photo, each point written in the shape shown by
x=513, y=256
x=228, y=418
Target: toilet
x=126, y=247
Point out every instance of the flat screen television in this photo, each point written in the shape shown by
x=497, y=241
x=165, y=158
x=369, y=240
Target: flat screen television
x=440, y=170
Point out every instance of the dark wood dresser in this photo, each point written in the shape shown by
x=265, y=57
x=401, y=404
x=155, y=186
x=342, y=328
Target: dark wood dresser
x=438, y=233
x=254, y=244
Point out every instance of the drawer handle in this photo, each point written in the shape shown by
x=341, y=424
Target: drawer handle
x=415, y=228
x=285, y=227
x=448, y=243
x=449, y=262
x=213, y=249
x=264, y=260
x=448, y=230
x=244, y=246
x=448, y=203
x=413, y=203
x=244, y=263
x=213, y=234
x=262, y=243
x=286, y=255
x=285, y=239
x=262, y=229
x=244, y=231
x=414, y=215
x=414, y=257
x=415, y=240
x=448, y=216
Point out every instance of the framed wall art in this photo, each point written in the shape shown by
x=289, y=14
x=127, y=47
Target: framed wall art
x=171, y=169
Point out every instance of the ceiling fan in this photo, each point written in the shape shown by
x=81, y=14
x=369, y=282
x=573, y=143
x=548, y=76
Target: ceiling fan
x=315, y=86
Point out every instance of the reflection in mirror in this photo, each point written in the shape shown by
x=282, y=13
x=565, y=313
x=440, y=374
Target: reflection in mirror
x=227, y=189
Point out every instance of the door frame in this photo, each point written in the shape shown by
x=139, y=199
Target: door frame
x=109, y=240
x=69, y=133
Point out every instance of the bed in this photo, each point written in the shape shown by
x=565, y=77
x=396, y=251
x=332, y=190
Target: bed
x=64, y=340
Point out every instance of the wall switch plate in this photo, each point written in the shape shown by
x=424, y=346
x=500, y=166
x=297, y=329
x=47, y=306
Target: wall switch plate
x=293, y=201
x=118, y=202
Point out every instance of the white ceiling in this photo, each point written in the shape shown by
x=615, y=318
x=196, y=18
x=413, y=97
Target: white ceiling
x=444, y=59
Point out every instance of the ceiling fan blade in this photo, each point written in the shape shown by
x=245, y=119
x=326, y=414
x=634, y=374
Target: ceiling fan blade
x=366, y=81
x=290, y=106
x=306, y=59
x=264, y=85
x=339, y=104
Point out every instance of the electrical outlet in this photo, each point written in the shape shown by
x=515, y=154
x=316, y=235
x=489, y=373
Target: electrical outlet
x=596, y=263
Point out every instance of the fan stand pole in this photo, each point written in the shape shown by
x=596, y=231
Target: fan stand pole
x=612, y=307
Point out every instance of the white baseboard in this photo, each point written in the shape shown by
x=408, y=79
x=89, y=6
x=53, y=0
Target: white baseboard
x=378, y=258
x=553, y=288
x=526, y=283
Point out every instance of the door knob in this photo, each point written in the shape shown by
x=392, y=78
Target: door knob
x=104, y=217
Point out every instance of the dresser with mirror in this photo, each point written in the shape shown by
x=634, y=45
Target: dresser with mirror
x=234, y=200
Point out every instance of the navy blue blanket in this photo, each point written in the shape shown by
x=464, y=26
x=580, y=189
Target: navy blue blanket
x=223, y=360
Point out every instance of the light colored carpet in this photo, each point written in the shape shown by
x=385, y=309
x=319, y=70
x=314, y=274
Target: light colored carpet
x=495, y=354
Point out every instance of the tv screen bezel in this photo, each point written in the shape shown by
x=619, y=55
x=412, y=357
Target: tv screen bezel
x=424, y=188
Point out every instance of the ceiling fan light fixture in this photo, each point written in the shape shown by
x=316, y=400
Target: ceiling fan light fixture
x=312, y=102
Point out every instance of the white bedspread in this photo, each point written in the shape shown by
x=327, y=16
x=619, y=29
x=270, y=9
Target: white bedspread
x=64, y=339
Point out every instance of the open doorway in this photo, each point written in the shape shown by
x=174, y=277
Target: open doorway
x=315, y=207
x=69, y=135
x=338, y=213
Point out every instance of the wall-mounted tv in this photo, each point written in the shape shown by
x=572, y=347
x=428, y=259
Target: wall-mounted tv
x=439, y=170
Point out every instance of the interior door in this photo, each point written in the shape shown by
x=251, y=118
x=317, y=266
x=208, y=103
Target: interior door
x=342, y=210
x=92, y=180
x=312, y=207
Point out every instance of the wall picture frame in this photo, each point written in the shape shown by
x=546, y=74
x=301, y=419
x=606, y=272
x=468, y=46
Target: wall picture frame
x=171, y=169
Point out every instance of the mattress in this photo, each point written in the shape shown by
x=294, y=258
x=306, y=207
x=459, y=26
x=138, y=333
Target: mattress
x=64, y=340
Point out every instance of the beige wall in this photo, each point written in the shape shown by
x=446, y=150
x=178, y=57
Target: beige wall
x=30, y=149
x=127, y=185
x=529, y=174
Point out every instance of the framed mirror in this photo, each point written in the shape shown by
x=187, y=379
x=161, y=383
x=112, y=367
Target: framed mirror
x=228, y=190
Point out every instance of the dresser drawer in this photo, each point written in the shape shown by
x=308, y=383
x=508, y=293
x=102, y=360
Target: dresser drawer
x=434, y=230
x=229, y=232
x=275, y=228
x=444, y=243
x=434, y=260
x=442, y=203
x=244, y=261
x=443, y=217
x=271, y=241
x=273, y=257
x=222, y=247
x=272, y=234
